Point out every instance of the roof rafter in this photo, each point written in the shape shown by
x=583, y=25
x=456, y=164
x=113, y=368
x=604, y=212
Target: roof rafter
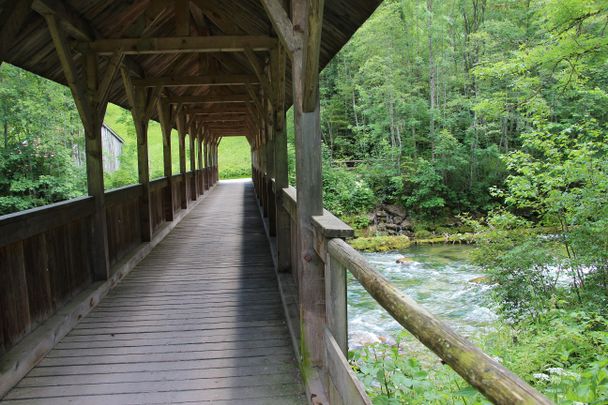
x=209, y=80
x=142, y=46
x=211, y=99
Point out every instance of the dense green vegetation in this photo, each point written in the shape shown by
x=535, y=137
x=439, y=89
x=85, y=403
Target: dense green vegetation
x=234, y=158
x=428, y=98
x=40, y=160
x=489, y=115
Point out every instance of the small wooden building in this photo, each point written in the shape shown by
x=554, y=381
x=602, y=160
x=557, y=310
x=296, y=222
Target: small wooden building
x=111, y=146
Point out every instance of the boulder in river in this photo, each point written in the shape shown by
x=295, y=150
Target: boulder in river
x=404, y=260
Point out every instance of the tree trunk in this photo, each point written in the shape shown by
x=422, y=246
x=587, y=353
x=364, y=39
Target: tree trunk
x=432, y=73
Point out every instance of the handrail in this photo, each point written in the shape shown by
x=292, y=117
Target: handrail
x=22, y=225
x=158, y=183
x=491, y=378
x=121, y=194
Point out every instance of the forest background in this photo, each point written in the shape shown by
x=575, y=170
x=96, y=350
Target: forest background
x=486, y=116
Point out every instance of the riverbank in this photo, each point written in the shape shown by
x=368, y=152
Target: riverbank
x=562, y=351
x=389, y=243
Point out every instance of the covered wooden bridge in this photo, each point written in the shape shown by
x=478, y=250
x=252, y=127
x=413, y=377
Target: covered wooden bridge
x=183, y=290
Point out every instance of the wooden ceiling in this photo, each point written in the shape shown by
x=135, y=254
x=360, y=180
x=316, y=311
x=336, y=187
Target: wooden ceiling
x=202, y=52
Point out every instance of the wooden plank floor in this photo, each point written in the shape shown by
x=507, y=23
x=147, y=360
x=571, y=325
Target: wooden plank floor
x=197, y=321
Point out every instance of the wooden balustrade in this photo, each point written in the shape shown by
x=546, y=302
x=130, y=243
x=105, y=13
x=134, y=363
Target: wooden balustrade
x=492, y=379
x=123, y=220
x=45, y=252
x=44, y=260
x=178, y=184
x=158, y=202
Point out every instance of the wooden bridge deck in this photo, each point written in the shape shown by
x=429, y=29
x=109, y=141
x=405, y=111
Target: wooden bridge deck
x=199, y=320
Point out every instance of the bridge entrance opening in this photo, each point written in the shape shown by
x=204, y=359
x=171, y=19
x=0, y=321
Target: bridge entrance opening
x=234, y=158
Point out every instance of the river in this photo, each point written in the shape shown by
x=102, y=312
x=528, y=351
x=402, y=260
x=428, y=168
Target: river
x=438, y=277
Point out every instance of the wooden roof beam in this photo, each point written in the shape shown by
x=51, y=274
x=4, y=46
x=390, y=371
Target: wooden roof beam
x=225, y=120
x=310, y=74
x=282, y=25
x=141, y=46
x=211, y=99
x=182, y=17
x=75, y=82
x=73, y=23
x=220, y=113
x=260, y=73
x=210, y=80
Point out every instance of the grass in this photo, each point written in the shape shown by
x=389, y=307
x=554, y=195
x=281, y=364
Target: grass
x=234, y=152
x=234, y=158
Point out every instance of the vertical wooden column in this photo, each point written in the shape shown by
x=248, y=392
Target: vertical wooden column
x=138, y=98
x=281, y=167
x=143, y=170
x=200, y=164
x=309, y=188
x=335, y=296
x=270, y=168
x=181, y=130
x=263, y=173
x=216, y=160
x=90, y=96
x=206, y=162
x=193, y=182
x=164, y=116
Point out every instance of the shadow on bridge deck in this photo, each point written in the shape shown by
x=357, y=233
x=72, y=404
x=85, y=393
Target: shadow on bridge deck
x=198, y=320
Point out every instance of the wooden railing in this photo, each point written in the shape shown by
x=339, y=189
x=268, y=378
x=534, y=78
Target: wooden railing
x=45, y=252
x=123, y=220
x=44, y=261
x=492, y=379
x=158, y=202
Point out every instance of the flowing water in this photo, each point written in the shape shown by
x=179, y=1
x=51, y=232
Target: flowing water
x=437, y=277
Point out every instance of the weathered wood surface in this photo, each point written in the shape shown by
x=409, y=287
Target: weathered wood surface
x=492, y=379
x=45, y=268
x=198, y=320
x=123, y=221
x=344, y=386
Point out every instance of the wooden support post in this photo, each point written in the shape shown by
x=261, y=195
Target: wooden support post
x=181, y=130
x=200, y=164
x=310, y=201
x=217, y=161
x=281, y=167
x=270, y=169
x=335, y=297
x=193, y=182
x=138, y=98
x=91, y=109
x=164, y=117
x=206, y=162
x=263, y=176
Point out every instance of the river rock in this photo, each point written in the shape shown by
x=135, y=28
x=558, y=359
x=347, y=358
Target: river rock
x=394, y=210
x=404, y=260
x=406, y=224
x=480, y=280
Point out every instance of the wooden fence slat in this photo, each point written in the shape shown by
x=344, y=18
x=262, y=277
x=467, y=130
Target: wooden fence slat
x=38, y=278
x=14, y=298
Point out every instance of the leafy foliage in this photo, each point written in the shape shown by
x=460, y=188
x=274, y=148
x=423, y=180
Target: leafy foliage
x=42, y=140
x=391, y=377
